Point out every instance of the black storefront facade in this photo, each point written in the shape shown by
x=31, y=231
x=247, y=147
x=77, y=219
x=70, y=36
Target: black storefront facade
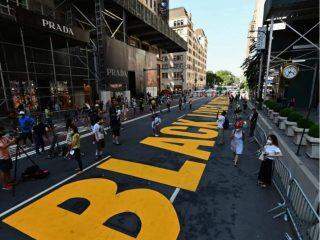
x=296, y=43
x=44, y=62
x=63, y=54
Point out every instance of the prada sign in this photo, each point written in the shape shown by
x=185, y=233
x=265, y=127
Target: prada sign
x=41, y=22
x=116, y=73
x=57, y=27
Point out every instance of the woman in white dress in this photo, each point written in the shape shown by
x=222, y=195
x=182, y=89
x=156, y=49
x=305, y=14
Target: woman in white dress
x=237, y=143
x=269, y=154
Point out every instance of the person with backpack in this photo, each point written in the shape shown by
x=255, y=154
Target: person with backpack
x=223, y=124
x=25, y=127
x=156, y=121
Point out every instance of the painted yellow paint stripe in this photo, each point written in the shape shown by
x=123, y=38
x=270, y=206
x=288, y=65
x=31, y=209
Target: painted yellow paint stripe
x=187, y=177
x=200, y=115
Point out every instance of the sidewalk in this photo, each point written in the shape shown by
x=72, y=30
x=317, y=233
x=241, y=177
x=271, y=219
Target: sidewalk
x=304, y=169
x=233, y=207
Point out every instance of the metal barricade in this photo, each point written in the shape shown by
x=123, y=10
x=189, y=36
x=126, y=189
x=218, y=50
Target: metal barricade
x=260, y=135
x=281, y=180
x=305, y=219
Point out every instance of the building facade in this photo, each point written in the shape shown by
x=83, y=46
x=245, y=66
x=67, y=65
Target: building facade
x=255, y=23
x=185, y=70
x=62, y=54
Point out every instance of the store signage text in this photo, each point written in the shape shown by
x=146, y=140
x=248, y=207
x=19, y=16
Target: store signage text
x=117, y=72
x=57, y=27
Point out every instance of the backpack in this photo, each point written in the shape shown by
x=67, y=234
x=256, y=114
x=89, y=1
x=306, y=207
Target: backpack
x=226, y=123
x=34, y=172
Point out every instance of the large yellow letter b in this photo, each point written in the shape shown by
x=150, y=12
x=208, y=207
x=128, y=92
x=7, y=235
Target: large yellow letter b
x=45, y=220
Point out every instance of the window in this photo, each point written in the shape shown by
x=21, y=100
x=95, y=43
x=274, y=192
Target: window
x=177, y=75
x=164, y=75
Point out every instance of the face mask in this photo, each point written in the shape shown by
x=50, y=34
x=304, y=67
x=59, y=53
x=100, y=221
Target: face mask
x=269, y=142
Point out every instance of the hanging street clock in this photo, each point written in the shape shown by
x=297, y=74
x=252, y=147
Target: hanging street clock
x=290, y=71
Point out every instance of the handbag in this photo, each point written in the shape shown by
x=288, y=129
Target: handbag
x=260, y=155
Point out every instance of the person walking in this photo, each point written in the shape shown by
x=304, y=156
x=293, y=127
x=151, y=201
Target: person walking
x=25, y=127
x=39, y=130
x=190, y=103
x=180, y=104
x=115, y=123
x=98, y=131
x=268, y=155
x=5, y=160
x=75, y=147
x=253, y=122
x=156, y=121
x=221, y=125
x=69, y=133
x=134, y=105
x=153, y=105
x=168, y=104
x=237, y=143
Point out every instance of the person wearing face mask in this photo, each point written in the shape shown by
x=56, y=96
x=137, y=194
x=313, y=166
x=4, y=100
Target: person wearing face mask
x=237, y=143
x=269, y=153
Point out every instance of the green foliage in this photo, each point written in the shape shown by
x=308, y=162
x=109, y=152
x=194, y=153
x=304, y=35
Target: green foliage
x=285, y=112
x=227, y=77
x=304, y=123
x=251, y=66
x=314, y=131
x=272, y=105
x=294, y=116
x=213, y=79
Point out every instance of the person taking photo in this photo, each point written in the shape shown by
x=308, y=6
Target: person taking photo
x=5, y=160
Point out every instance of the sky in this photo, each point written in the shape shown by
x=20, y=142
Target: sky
x=225, y=23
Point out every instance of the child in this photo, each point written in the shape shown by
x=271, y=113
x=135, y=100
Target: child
x=156, y=120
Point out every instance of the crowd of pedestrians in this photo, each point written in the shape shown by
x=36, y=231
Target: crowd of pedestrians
x=267, y=154
x=38, y=130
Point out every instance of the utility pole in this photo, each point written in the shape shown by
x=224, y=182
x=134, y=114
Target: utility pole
x=269, y=55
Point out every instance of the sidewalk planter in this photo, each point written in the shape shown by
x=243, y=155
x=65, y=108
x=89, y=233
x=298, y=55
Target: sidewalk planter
x=313, y=142
x=313, y=145
x=288, y=128
x=298, y=134
x=272, y=115
x=284, y=113
x=281, y=122
x=275, y=117
x=292, y=121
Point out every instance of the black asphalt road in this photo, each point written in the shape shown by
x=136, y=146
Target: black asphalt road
x=227, y=204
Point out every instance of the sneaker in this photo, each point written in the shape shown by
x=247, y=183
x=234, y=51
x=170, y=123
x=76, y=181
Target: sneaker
x=7, y=187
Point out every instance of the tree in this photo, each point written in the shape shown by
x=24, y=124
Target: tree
x=227, y=77
x=251, y=68
x=213, y=79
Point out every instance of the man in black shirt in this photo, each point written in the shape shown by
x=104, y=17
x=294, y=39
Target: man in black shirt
x=115, y=122
x=253, y=121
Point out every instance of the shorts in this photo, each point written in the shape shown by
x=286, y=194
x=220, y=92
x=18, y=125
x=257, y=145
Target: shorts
x=116, y=131
x=101, y=144
x=6, y=165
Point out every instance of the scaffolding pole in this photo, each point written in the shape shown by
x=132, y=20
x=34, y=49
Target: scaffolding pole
x=70, y=71
x=269, y=55
x=24, y=54
x=4, y=87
